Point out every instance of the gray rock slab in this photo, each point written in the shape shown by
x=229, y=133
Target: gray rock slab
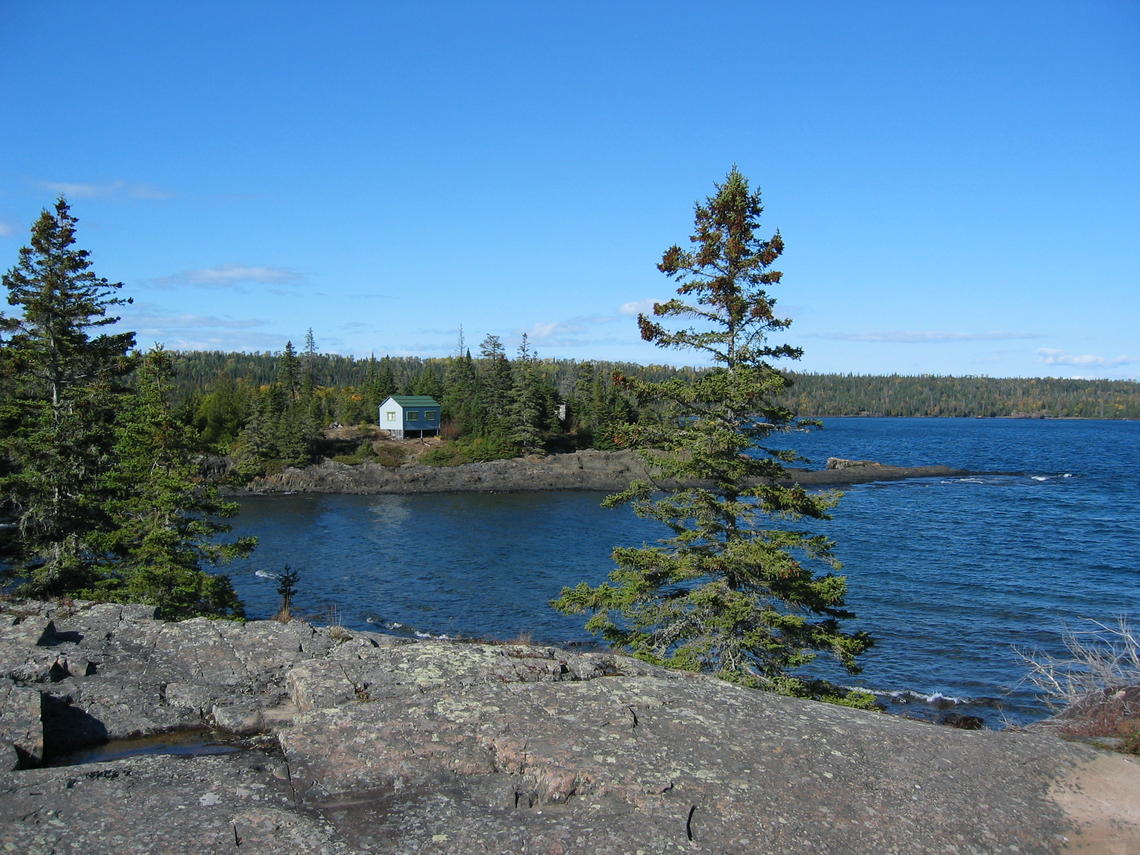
x=161, y=806
x=392, y=746
x=657, y=765
x=20, y=728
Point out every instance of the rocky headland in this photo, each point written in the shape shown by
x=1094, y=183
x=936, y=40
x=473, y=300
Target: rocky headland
x=607, y=471
x=351, y=742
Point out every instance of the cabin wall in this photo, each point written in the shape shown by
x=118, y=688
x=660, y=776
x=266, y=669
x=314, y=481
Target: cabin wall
x=392, y=418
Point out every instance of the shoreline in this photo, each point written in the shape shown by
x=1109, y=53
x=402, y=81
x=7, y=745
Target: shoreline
x=590, y=470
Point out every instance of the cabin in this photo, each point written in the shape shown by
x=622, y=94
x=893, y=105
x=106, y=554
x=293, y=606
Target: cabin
x=410, y=415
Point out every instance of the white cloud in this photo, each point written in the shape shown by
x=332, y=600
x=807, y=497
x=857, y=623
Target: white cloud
x=541, y=330
x=1053, y=356
x=111, y=190
x=152, y=324
x=570, y=333
x=7, y=229
x=224, y=340
x=638, y=307
x=925, y=336
x=232, y=274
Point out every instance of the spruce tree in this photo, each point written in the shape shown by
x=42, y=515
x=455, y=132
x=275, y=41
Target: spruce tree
x=379, y=383
x=65, y=385
x=495, y=387
x=311, y=401
x=730, y=592
x=309, y=366
x=167, y=517
x=527, y=402
x=461, y=395
x=289, y=374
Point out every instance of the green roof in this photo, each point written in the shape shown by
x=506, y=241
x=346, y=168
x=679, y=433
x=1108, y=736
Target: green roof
x=415, y=400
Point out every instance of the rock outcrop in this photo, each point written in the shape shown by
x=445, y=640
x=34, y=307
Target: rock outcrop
x=606, y=471
x=360, y=742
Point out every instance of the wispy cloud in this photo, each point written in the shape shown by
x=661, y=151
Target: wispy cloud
x=230, y=275
x=224, y=340
x=638, y=307
x=563, y=332
x=7, y=229
x=1053, y=356
x=110, y=190
x=152, y=324
x=187, y=331
x=925, y=336
x=590, y=331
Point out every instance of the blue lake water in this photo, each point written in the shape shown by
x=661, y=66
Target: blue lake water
x=949, y=574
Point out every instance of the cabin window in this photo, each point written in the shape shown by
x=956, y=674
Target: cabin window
x=413, y=415
x=429, y=415
x=391, y=416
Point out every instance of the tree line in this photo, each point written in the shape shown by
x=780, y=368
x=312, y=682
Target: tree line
x=969, y=397
x=269, y=409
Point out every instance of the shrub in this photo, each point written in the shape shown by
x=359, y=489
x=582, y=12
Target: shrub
x=470, y=450
x=1095, y=689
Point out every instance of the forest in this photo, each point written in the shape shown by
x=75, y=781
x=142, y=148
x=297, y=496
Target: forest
x=221, y=394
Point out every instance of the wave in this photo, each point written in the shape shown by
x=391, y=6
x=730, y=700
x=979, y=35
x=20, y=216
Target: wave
x=1006, y=479
x=935, y=700
x=403, y=629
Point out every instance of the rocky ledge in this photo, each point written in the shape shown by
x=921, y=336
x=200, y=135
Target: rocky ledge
x=352, y=742
x=607, y=471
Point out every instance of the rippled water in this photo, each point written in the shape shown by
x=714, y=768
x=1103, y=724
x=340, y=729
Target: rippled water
x=949, y=574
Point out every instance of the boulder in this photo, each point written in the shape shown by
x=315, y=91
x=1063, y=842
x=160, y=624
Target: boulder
x=843, y=463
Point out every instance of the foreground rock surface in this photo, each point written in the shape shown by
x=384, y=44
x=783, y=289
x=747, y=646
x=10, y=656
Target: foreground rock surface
x=606, y=471
x=359, y=742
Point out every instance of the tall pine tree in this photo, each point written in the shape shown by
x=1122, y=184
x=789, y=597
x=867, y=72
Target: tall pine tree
x=729, y=592
x=65, y=385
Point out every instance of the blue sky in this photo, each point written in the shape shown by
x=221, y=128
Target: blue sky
x=957, y=184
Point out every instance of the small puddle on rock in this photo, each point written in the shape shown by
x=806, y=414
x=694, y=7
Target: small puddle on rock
x=183, y=743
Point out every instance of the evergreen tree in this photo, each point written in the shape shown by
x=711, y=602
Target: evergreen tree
x=311, y=401
x=428, y=383
x=166, y=515
x=528, y=416
x=379, y=383
x=495, y=384
x=65, y=386
x=294, y=436
x=219, y=415
x=289, y=374
x=727, y=593
x=461, y=402
x=309, y=366
x=256, y=444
